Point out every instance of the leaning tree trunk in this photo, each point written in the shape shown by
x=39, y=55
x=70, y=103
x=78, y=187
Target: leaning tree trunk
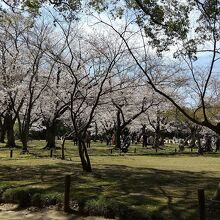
x=85, y=161
x=50, y=137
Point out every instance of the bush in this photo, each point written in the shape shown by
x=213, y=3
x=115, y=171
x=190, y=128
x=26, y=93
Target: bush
x=110, y=209
x=30, y=197
x=2, y=189
x=43, y=200
x=100, y=207
x=217, y=193
x=36, y=200
x=18, y=195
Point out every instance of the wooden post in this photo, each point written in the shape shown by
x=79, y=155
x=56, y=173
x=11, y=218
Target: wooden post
x=201, y=200
x=175, y=150
x=111, y=151
x=62, y=148
x=191, y=149
x=51, y=153
x=11, y=153
x=135, y=150
x=67, y=193
x=156, y=149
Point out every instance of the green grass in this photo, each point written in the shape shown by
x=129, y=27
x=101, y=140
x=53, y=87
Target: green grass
x=162, y=184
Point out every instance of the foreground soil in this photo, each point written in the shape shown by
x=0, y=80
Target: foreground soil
x=10, y=212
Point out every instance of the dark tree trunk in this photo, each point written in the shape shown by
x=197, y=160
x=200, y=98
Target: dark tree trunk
x=24, y=141
x=50, y=137
x=107, y=140
x=10, y=131
x=118, y=137
x=193, y=137
x=143, y=129
x=162, y=140
x=157, y=137
x=157, y=132
x=200, y=150
x=3, y=131
x=118, y=131
x=144, y=136
x=85, y=161
x=2, y=136
x=10, y=138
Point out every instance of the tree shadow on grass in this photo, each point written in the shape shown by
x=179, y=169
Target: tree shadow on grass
x=164, y=194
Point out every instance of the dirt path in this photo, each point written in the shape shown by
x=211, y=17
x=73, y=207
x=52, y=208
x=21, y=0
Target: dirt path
x=9, y=212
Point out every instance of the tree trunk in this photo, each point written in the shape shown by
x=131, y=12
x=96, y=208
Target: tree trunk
x=193, y=137
x=118, y=131
x=200, y=150
x=24, y=141
x=10, y=137
x=9, y=122
x=3, y=131
x=118, y=137
x=63, y=148
x=50, y=137
x=2, y=136
x=157, y=137
x=85, y=161
x=157, y=133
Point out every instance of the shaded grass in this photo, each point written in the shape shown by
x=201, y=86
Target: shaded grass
x=165, y=185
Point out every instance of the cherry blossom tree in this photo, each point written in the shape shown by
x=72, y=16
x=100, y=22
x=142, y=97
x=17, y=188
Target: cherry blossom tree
x=36, y=80
x=13, y=70
x=88, y=63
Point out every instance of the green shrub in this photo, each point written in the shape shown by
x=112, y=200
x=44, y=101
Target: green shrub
x=30, y=196
x=18, y=195
x=43, y=200
x=217, y=193
x=1, y=193
x=100, y=207
x=36, y=200
x=108, y=208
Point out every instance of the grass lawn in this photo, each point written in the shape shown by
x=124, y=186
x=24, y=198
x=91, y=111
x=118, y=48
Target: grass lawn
x=163, y=184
